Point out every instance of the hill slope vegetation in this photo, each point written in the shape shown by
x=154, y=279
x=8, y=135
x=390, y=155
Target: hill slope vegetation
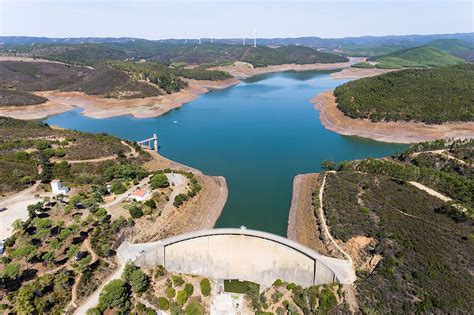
x=89, y=54
x=433, y=96
x=426, y=244
x=417, y=57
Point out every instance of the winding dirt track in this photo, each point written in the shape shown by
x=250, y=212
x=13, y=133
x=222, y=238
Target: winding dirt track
x=323, y=220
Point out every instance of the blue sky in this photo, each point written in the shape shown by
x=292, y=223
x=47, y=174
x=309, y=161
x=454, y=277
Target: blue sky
x=156, y=19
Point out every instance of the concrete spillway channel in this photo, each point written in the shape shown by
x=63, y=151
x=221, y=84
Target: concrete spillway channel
x=240, y=254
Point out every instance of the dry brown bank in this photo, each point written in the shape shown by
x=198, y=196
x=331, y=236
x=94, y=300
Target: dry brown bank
x=400, y=132
x=302, y=221
x=243, y=70
x=201, y=212
x=357, y=73
x=99, y=107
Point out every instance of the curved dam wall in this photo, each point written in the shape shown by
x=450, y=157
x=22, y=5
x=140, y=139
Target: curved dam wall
x=246, y=255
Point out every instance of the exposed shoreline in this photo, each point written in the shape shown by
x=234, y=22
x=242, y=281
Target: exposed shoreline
x=202, y=211
x=302, y=221
x=242, y=70
x=357, y=73
x=396, y=132
x=99, y=107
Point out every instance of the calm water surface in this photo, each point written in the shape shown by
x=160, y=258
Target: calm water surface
x=258, y=134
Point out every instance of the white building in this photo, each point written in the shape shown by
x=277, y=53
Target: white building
x=140, y=195
x=57, y=188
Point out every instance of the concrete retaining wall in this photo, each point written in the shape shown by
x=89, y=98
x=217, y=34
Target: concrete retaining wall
x=246, y=255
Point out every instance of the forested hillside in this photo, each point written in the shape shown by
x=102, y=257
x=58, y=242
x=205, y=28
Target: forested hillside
x=418, y=57
x=118, y=79
x=89, y=54
x=433, y=96
x=425, y=244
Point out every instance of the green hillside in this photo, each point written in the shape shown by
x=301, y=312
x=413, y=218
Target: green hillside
x=425, y=244
x=451, y=46
x=433, y=96
x=206, y=53
x=455, y=47
x=419, y=57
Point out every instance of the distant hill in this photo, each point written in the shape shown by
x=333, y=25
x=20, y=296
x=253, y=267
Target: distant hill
x=92, y=53
x=424, y=56
x=350, y=45
x=434, y=96
x=451, y=46
x=455, y=47
x=42, y=76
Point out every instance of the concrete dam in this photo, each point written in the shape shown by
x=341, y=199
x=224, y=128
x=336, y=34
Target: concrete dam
x=241, y=254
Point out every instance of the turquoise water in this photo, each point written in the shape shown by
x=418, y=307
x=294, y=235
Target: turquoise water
x=258, y=134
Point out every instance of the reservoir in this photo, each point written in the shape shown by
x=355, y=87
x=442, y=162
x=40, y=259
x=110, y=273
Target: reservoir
x=258, y=134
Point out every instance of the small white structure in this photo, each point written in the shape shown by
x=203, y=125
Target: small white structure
x=139, y=195
x=57, y=188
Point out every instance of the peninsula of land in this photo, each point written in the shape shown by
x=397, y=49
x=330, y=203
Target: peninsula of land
x=397, y=132
x=96, y=106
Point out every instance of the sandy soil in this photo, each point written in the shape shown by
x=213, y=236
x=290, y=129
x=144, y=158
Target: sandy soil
x=357, y=73
x=99, y=107
x=399, y=132
x=200, y=212
x=160, y=162
x=39, y=111
x=243, y=70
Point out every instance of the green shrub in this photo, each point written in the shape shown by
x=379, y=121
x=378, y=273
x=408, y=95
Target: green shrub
x=159, y=180
x=150, y=203
x=159, y=271
x=327, y=300
x=180, y=199
x=115, y=295
x=277, y=283
x=276, y=296
x=205, y=287
x=135, y=212
x=188, y=287
x=93, y=311
x=117, y=187
x=290, y=286
x=181, y=297
x=163, y=303
x=138, y=279
x=41, y=144
x=59, y=152
x=177, y=280
x=170, y=293
x=194, y=308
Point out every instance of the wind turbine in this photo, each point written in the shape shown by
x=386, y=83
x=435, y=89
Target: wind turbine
x=255, y=38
